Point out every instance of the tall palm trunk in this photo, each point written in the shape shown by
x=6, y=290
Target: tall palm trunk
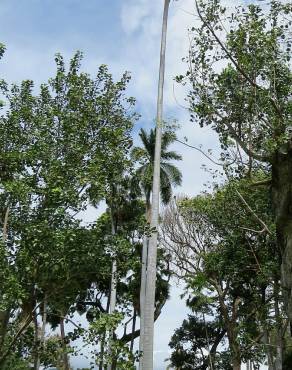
x=143, y=277
x=148, y=334
x=143, y=293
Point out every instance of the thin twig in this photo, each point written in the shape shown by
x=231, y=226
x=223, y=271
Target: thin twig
x=252, y=212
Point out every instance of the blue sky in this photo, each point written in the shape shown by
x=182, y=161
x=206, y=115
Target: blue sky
x=125, y=35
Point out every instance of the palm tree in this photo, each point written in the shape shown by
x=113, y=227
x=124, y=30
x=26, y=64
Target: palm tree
x=146, y=362
x=170, y=176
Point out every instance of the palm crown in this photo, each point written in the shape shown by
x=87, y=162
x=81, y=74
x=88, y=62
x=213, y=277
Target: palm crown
x=170, y=175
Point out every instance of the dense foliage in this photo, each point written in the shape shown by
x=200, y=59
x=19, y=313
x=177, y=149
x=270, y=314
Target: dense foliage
x=67, y=145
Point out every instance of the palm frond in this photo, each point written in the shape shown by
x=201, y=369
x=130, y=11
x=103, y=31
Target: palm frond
x=139, y=154
x=171, y=155
x=174, y=174
x=148, y=141
x=167, y=139
x=165, y=187
x=170, y=174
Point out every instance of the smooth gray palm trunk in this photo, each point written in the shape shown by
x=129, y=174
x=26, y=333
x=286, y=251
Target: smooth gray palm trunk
x=148, y=332
x=143, y=277
x=143, y=293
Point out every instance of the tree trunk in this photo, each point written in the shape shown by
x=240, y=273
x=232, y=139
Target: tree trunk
x=102, y=344
x=282, y=199
x=148, y=335
x=142, y=293
x=133, y=330
x=36, y=341
x=268, y=350
x=65, y=354
x=235, y=354
x=4, y=320
x=143, y=278
x=113, y=294
x=41, y=337
x=236, y=363
x=279, y=328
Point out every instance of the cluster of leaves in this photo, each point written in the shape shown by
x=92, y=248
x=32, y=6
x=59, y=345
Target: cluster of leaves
x=230, y=265
x=229, y=245
x=60, y=149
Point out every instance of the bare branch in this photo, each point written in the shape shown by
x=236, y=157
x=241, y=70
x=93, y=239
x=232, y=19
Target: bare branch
x=252, y=212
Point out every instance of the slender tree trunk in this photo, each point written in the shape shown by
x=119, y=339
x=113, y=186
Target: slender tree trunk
x=65, y=354
x=143, y=293
x=102, y=344
x=235, y=354
x=148, y=335
x=113, y=294
x=4, y=320
x=5, y=314
x=133, y=330
x=143, y=279
x=236, y=364
x=41, y=338
x=279, y=329
x=268, y=350
x=36, y=341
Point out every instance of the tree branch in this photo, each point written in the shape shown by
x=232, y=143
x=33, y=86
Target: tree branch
x=236, y=64
x=252, y=212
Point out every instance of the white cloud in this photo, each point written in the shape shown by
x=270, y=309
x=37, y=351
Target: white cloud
x=133, y=13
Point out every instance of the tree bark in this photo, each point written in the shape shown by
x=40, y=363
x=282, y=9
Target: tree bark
x=279, y=329
x=41, y=337
x=4, y=320
x=65, y=354
x=102, y=344
x=236, y=363
x=282, y=200
x=36, y=342
x=133, y=330
x=113, y=293
x=143, y=279
x=234, y=349
x=148, y=335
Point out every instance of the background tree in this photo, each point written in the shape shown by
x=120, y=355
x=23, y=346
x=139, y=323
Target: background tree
x=147, y=335
x=74, y=123
x=240, y=76
x=230, y=266
x=169, y=176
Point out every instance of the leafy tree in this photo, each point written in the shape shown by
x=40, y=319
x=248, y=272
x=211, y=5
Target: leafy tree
x=240, y=76
x=195, y=344
x=56, y=148
x=229, y=264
